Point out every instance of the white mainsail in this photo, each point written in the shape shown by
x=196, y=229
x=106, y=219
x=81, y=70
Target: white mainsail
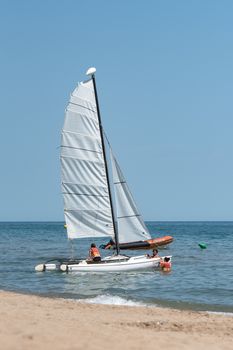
x=84, y=182
x=130, y=224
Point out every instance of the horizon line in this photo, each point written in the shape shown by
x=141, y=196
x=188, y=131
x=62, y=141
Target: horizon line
x=63, y=221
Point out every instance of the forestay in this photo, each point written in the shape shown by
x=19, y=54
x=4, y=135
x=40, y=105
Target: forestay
x=131, y=226
x=84, y=183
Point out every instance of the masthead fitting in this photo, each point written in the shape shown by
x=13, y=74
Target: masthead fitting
x=91, y=71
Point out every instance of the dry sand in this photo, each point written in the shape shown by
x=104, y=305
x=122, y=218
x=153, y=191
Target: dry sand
x=33, y=322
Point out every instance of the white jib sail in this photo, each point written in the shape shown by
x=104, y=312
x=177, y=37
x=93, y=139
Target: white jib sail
x=131, y=226
x=84, y=183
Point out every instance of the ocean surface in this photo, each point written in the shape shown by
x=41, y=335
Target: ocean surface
x=201, y=279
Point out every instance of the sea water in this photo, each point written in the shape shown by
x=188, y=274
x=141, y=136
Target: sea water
x=201, y=279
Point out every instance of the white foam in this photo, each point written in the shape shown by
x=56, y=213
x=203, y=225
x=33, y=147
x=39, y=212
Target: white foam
x=111, y=300
x=229, y=314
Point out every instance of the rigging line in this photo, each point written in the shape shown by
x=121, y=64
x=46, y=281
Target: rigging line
x=105, y=135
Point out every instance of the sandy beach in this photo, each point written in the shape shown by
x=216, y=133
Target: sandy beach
x=33, y=322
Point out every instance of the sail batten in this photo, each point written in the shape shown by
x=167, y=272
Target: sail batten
x=84, y=107
x=84, y=181
x=83, y=194
x=128, y=216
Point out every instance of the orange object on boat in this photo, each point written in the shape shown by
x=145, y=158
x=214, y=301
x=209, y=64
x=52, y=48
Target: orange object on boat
x=147, y=244
x=161, y=241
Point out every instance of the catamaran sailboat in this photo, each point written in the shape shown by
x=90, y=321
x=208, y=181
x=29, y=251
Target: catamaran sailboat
x=87, y=192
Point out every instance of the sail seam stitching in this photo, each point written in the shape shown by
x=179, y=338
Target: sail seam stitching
x=82, y=149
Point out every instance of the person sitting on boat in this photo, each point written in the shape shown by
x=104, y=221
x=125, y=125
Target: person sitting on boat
x=166, y=264
x=94, y=253
x=155, y=254
x=108, y=245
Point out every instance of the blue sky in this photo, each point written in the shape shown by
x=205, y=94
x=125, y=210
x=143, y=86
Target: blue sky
x=165, y=83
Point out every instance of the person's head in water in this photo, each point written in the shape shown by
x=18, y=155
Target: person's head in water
x=93, y=245
x=155, y=251
x=166, y=259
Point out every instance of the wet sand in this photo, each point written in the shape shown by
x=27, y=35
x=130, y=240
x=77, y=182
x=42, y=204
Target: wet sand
x=33, y=322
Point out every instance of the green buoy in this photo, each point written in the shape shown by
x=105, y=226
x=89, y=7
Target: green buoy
x=202, y=245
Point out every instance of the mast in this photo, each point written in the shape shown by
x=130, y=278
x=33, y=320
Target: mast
x=91, y=71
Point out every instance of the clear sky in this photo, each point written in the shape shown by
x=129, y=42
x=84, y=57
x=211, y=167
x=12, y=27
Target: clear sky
x=165, y=81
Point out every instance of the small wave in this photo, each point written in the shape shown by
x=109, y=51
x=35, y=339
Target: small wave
x=111, y=300
x=229, y=314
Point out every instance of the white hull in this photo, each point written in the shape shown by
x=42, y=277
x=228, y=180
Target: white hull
x=108, y=264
